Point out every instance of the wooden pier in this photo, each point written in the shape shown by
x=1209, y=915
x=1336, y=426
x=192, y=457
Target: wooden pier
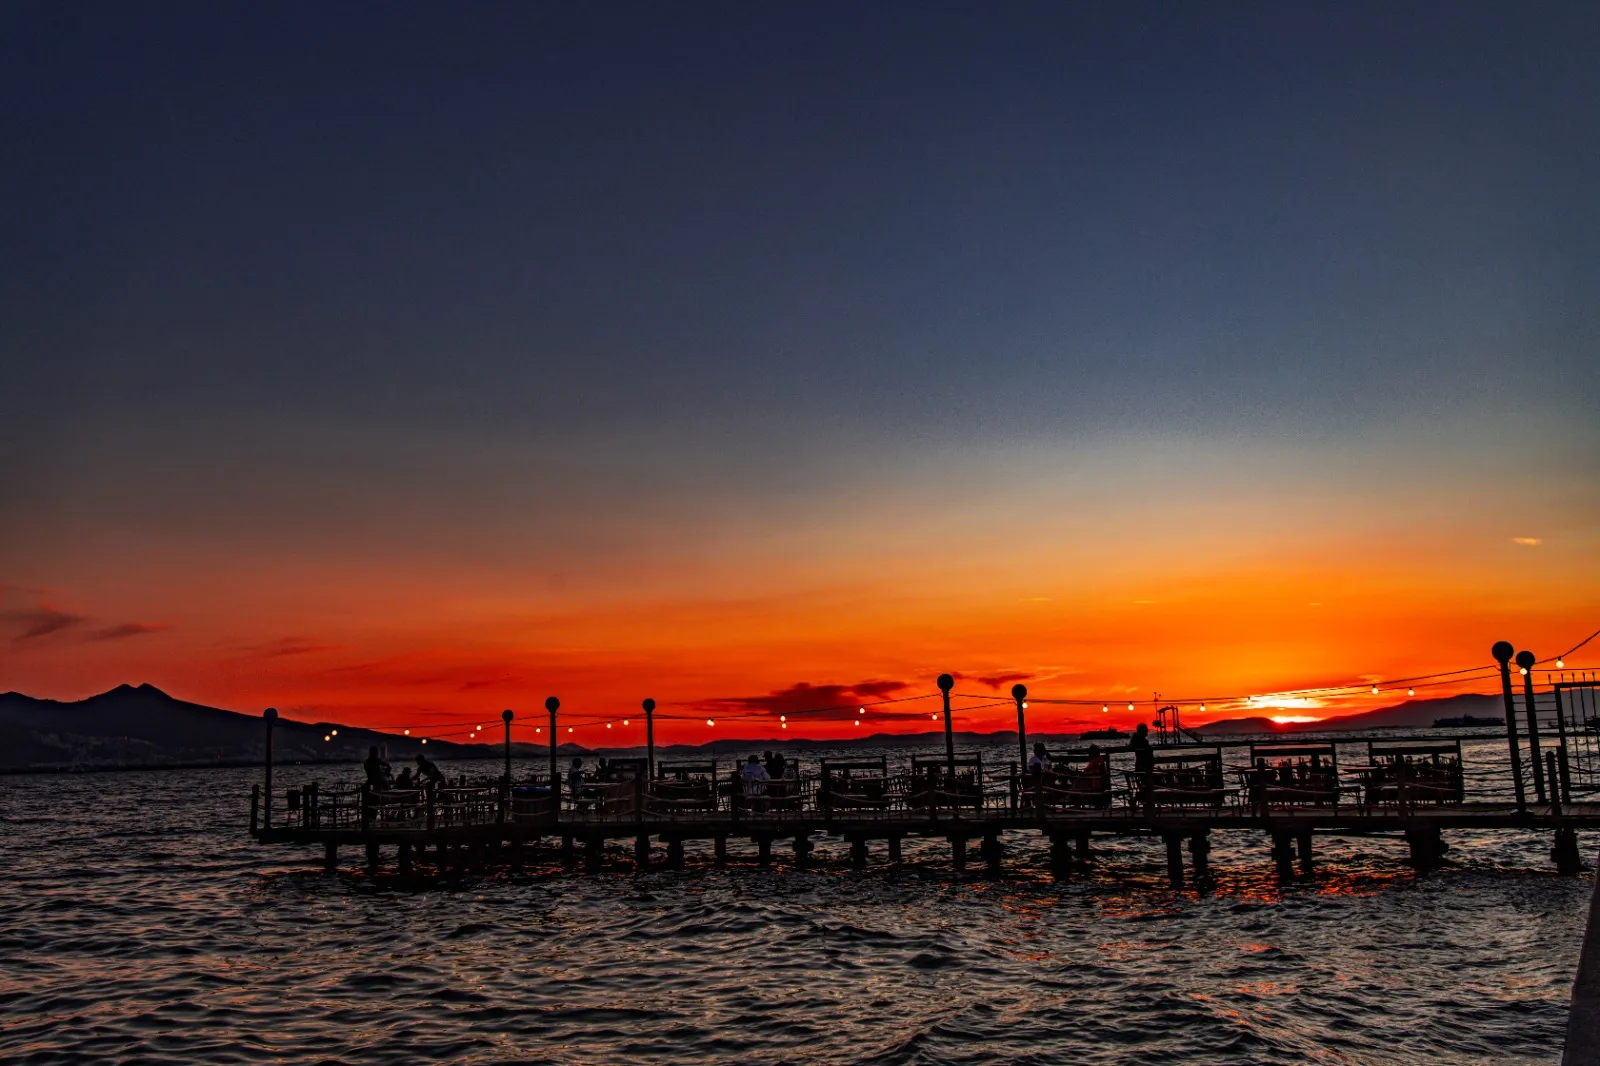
x=1288, y=790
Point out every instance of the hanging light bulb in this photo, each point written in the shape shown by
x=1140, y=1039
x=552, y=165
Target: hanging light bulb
x=1024, y=704
x=934, y=717
x=569, y=729
x=1560, y=665
x=536, y=729
x=858, y=723
x=1202, y=708
x=326, y=738
x=1130, y=706
x=710, y=722
x=1411, y=692
x=336, y=732
x=1524, y=670
x=624, y=721
x=424, y=740
x=785, y=725
x=408, y=732
x=783, y=718
x=1374, y=690
x=1105, y=709
x=608, y=725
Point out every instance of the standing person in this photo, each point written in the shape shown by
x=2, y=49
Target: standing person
x=575, y=782
x=428, y=773
x=1144, y=760
x=377, y=769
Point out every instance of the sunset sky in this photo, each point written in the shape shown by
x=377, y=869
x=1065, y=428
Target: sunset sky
x=395, y=366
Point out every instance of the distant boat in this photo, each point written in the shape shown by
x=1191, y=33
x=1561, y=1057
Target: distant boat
x=1104, y=734
x=1466, y=719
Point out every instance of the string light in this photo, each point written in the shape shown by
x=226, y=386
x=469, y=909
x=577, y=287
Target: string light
x=336, y=732
x=1130, y=706
x=783, y=718
x=1524, y=670
x=1374, y=690
x=1202, y=708
x=408, y=732
x=1560, y=665
x=326, y=738
x=710, y=722
x=624, y=721
x=1024, y=704
x=424, y=740
x=858, y=723
x=569, y=729
x=934, y=717
x=608, y=725
x=785, y=725
x=1105, y=709
x=1411, y=692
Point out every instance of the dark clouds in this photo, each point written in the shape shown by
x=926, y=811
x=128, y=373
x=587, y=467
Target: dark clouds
x=817, y=702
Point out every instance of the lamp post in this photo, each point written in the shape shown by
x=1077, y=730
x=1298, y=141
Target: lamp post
x=1502, y=652
x=946, y=683
x=552, y=705
x=1526, y=660
x=650, y=738
x=271, y=715
x=1020, y=694
x=506, y=716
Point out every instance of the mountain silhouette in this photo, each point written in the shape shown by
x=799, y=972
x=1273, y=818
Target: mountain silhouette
x=142, y=726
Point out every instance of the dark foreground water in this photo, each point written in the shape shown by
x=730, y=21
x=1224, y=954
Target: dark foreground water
x=138, y=924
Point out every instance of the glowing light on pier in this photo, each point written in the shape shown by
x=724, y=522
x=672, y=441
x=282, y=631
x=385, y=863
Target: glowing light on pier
x=1560, y=665
x=710, y=722
x=1374, y=690
x=1411, y=692
x=408, y=732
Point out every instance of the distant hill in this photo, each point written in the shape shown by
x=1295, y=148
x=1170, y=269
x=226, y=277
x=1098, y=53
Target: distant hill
x=144, y=727
x=1412, y=714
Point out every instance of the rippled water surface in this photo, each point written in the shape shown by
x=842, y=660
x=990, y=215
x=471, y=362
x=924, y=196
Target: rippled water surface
x=137, y=923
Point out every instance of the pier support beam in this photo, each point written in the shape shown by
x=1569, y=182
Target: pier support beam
x=993, y=853
x=1304, y=844
x=569, y=858
x=802, y=850
x=1200, y=853
x=1427, y=847
x=641, y=852
x=675, y=853
x=1085, y=855
x=1283, y=855
x=1565, y=852
x=1174, y=842
x=719, y=850
x=895, y=855
x=374, y=858
x=404, y=861
x=958, y=852
x=1060, y=856
x=764, y=849
x=594, y=854
x=330, y=856
x=858, y=854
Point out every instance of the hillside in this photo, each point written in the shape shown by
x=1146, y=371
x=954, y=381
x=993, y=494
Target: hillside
x=1412, y=714
x=145, y=727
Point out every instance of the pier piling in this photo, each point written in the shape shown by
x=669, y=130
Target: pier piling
x=1200, y=853
x=1174, y=842
x=675, y=853
x=1303, y=843
x=802, y=849
x=330, y=856
x=764, y=849
x=858, y=854
x=641, y=851
x=1283, y=855
x=719, y=850
x=895, y=855
x=958, y=852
